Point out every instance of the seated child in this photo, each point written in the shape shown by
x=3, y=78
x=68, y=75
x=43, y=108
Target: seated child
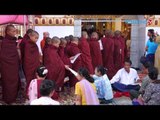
x=103, y=85
x=33, y=90
x=47, y=88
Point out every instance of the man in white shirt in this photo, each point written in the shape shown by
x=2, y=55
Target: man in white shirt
x=126, y=78
x=47, y=88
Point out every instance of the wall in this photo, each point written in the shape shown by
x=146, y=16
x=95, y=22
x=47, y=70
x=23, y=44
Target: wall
x=59, y=31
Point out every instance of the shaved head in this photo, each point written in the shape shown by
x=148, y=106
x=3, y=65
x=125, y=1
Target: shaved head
x=10, y=30
x=55, y=41
x=45, y=34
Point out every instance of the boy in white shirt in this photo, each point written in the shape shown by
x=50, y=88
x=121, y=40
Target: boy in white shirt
x=126, y=78
x=47, y=89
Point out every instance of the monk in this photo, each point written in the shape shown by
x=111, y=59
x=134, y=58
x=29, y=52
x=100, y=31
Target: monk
x=119, y=46
x=85, y=50
x=95, y=50
x=45, y=35
x=53, y=62
x=108, y=53
x=62, y=53
x=31, y=57
x=25, y=38
x=9, y=63
x=72, y=51
x=64, y=57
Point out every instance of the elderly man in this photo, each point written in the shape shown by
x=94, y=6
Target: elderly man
x=45, y=35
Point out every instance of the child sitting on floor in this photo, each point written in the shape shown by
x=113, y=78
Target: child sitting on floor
x=34, y=87
x=103, y=85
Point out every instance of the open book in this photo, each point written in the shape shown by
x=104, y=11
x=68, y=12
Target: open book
x=75, y=57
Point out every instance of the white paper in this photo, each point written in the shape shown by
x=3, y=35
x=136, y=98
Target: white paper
x=73, y=72
x=75, y=57
x=100, y=44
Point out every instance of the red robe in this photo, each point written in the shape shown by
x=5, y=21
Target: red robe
x=31, y=61
x=54, y=64
x=9, y=61
x=95, y=53
x=86, y=55
x=43, y=43
x=63, y=55
x=118, y=52
x=72, y=50
x=25, y=38
x=108, y=56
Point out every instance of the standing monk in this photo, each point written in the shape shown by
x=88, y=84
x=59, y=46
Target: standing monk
x=31, y=57
x=108, y=53
x=25, y=38
x=9, y=65
x=45, y=35
x=72, y=51
x=53, y=62
x=85, y=50
x=1, y=38
x=119, y=46
x=95, y=50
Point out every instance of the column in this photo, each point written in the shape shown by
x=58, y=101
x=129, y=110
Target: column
x=77, y=27
x=138, y=30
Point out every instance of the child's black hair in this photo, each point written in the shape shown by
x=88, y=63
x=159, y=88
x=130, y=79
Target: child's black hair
x=84, y=72
x=101, y=69
x=46, y=87
x=42, y=71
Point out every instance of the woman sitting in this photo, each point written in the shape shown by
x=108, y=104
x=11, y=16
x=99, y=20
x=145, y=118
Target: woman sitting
x=85, y=90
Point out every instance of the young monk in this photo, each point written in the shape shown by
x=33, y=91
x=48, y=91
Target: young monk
x=34, y=86
x=25, y=38
x=119, y=46
x=108, y=53
x=85, y=90
x=72, y=51
x=9, y=62
x=31, y=57
x=95, y=50
x=86, y=55
x=64, y=57
x=62, y=53
x=53, y=62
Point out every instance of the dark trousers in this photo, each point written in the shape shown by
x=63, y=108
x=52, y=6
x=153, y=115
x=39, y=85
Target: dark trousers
x=104, y=101
x=150, y=58
x=134, y=94
x=124, y=88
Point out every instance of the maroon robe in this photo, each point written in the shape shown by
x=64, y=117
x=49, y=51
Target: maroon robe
x=31, y=61
x=54, y=64
x=108, y=56
x=119, y=46
x=9, y=61
x=72, y=50
x=63, y=55
x=25, y=38
x=95, y=53
x=86, y=55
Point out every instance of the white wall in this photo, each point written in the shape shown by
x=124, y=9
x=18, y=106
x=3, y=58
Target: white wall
x=59, y=31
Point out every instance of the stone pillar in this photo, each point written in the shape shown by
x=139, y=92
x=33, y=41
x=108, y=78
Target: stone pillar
x=138, y=29
x=77, y=27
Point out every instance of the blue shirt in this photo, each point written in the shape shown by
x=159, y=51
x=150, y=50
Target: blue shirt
x=152, y=47
x=103, y=86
